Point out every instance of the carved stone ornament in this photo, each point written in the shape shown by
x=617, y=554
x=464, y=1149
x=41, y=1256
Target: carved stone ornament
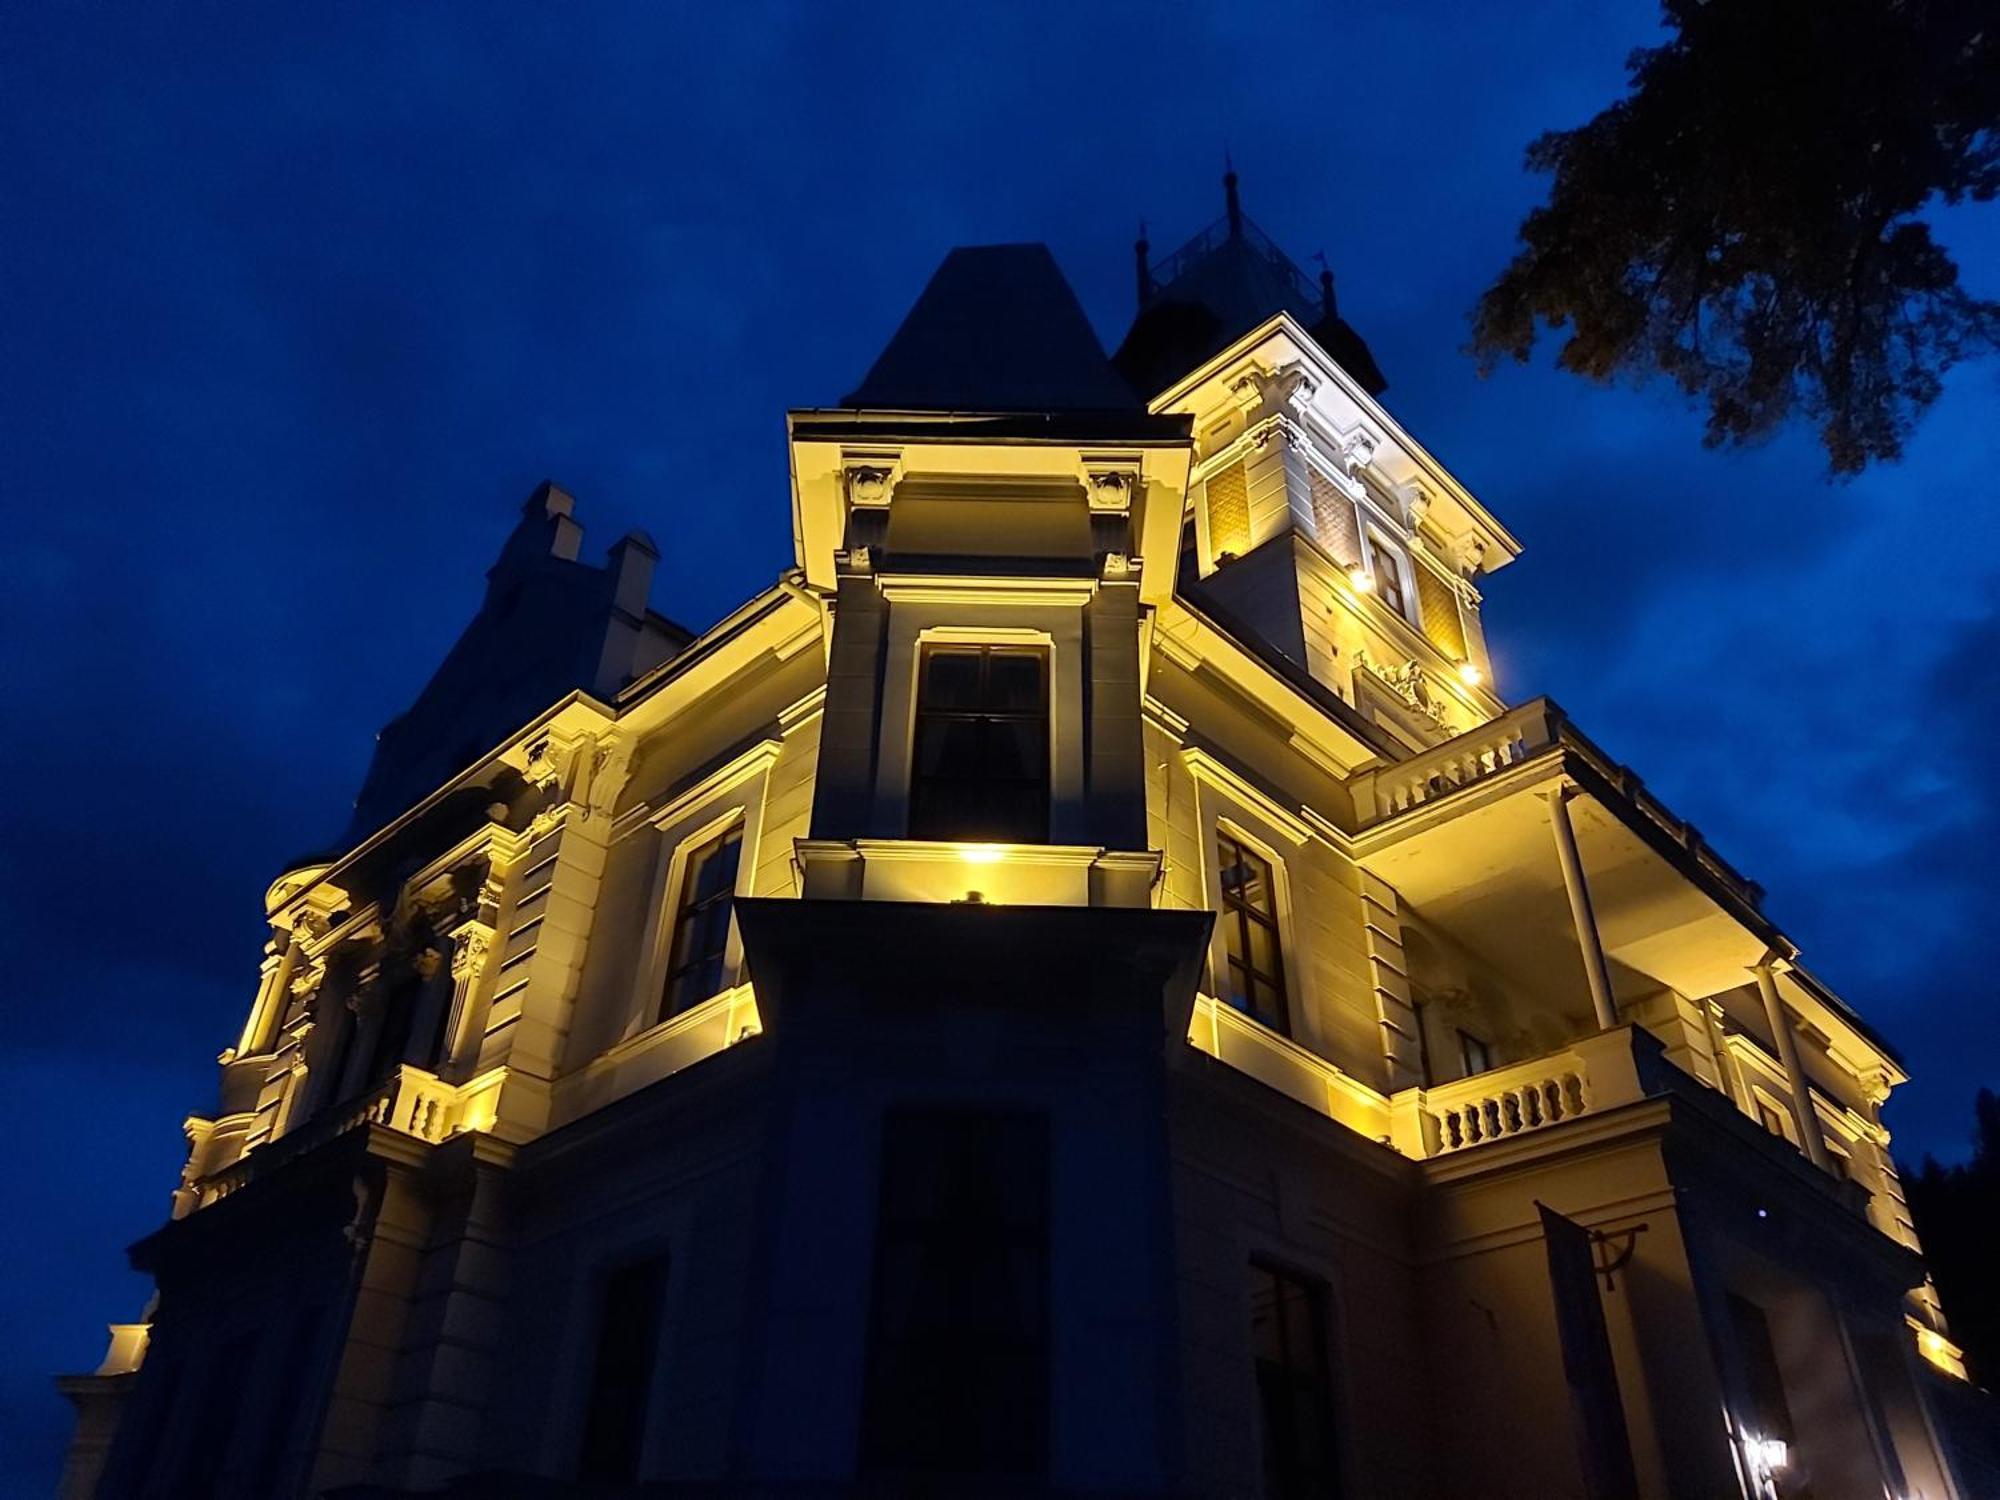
x=1112, y=489
x=544, y=761
x=1407, y=682
x=1471, y=556
x=1289, y=389
x=307, y=978
x=1117, y=565
x=868, y=484
x=1420, y=506
x=470, y=945
x=1281, y=428
x=545, y=822
x=855, y=560
x=1357, y=449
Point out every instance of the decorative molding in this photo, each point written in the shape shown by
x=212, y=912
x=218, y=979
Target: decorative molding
x=869, y=484
x=1110, y=485
x=1409, y=682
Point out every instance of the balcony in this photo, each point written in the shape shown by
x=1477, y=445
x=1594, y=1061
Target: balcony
x=1536, y=730
x=410, y=1101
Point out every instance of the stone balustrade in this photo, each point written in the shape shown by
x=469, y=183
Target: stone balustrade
x=410, y=1101
x=1385, y=792
x=1590, y=1075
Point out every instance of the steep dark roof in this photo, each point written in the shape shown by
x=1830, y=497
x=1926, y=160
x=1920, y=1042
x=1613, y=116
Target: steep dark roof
x=997, y=330
x=1218, y=287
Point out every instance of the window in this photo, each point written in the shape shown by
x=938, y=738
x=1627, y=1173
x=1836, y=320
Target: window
x=1256, y=979
x=981, y=757
x=621, y=1373
x=958, y=1378
x=1474, y=1055
x=1770, y=1415
x=701, y=922
x=1388, y=569
x=1294, y=1384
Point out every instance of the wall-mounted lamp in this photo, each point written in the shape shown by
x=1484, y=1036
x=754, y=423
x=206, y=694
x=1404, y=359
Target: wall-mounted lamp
x=980, y=854
x=1469, y=674
x=1360, y=579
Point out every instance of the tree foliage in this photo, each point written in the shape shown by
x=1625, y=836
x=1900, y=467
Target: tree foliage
x=1957, y=1214
x=1747, y=220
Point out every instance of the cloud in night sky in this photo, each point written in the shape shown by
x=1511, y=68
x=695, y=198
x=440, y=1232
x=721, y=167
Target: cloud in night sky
x=298, y=311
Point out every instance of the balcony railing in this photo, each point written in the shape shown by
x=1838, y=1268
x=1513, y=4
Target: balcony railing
x=1589, y=1076
x=1510, y=1101
x=1301, y=288
x=1516, y=736
x=1492, y=747
x=410, y=1101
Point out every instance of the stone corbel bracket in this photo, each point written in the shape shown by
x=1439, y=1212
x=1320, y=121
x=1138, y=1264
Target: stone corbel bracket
x=1110, y=482
x=869, y=476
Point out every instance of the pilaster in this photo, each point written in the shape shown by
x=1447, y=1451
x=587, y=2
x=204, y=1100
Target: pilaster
x=1388, y=970
x=549, y=921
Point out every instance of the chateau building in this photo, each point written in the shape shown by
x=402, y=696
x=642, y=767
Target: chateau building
x=1082, y=987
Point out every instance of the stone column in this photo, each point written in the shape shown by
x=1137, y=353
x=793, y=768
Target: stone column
x=1788, y=1054
x=1580, y=910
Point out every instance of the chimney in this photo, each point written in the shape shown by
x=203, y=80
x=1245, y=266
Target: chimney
x=630, y=564
x=1140, y=251
x=1235, y=208
x=546, y=529
x=1328, y=308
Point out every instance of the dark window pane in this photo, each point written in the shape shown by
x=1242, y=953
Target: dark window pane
x=701, y=924
x=1014, y=682
x=621, y=1377
x=1770, y=1414
x=952, y=679
x=957, y=1377
x=1294, y=1385
x=979, y=763
x=1249, y=922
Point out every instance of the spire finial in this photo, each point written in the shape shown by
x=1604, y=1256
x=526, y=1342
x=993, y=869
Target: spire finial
x=1229, y=193
x=1141, y=250
x=1327, y=308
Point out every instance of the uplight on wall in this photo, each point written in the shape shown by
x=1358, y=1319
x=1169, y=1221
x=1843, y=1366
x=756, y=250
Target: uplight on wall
x=1469, y=674
x=980, y=854
x=1360, y=579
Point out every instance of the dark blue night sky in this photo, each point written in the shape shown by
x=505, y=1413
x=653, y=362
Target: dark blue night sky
x=295, y=314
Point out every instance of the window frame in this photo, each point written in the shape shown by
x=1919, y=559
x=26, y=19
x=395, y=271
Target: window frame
x=1233, y=919
x=929, y=648
x=734, y=824
x=1389, y=560
x=904, y=1227
x=1319, y=1296
x=657, y=1260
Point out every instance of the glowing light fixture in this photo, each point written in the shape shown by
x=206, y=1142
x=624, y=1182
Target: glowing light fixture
x=1469, y=674
x=1360, y=579
x=1769, y=1454
x=980, y=854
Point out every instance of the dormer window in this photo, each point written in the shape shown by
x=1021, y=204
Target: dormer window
x=981, y=754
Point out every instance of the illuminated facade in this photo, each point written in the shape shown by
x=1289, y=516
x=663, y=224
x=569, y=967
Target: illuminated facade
x=1083, y=986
